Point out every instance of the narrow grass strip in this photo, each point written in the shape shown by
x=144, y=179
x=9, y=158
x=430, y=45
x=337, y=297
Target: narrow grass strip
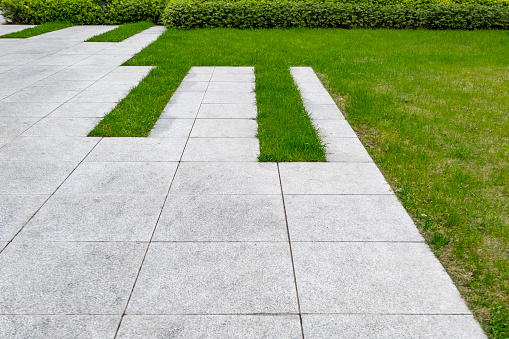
x=122, y=32
x=38, y=30
x=285, y=130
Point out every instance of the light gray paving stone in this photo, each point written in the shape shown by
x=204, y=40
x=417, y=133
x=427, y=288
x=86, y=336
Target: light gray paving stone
x=100, y=96
x=83, y=110
x=229, y=98
x=106, y=86
x=192, y=86
x=224, y=128
x=183, y=111
x=222, y=218
x=227, y=111
x=303, y=74
x=348, y=218
x=104, y=59
x=226, y=178
x=232, y=77
x=6, y=29
x=120, y=178
x=5, y=141
x=329, y=112
x=183, y=98
x=332, y=178
x=68, y=278
x=138, y=149
x=215, y=278
x=64, y=85
x=373, y=277
x=311, y=87
x=50, y=148
x=197, y=77
x=318, y=98
x=95, y=218
x=17, y=59
x=13, y=126
x=334, y=129
x=33, y=177
x=88, y=48
x=172, y=128
x=58, y=326
x=61, y=59
x=2, y=245
x=238, y=87
x=5, y=68
x=202, y=70
x=233, y=70
x=132, y=70
x=62, y=127
x=210, y=326
x=15, y=211
x=391, y=326
x=222, y=149
x=346, y=150
x=41, y=94
x=82, y=73
x=120, y=76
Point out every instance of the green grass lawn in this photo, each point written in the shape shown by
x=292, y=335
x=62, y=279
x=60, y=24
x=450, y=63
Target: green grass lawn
x=122, y=32
x=37, y=30
x=431, y=107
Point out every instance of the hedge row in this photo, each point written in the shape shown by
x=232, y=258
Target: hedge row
x=185, y=15
x=84, y=12
x=375, y=2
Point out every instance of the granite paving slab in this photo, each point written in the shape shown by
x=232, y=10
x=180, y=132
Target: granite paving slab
x=222, y=149
x=15, y=211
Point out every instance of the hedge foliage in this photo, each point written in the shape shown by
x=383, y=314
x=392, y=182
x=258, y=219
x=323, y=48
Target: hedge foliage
x=375, y=2
x=85, y=12
x=186, y=15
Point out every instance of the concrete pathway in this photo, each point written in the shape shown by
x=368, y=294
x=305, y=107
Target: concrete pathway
x=184, y=234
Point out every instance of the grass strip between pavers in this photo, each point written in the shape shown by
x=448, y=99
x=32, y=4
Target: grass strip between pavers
x=122, y=32
x=37, y=30
x=431, y=107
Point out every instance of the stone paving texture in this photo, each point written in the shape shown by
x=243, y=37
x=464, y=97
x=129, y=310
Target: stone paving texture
x=184, y=234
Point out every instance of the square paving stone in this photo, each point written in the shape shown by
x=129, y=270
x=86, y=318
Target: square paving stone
x=83, y=110
x=184, y=98
x=95, y=218
x=328, y=112
x=197, y=77
x=311, y=87
x=227, y=111
x=41, y=94
x=222, y=218
x=27, y=109
x=82, y=73
x=210, y=326
x=122, y=76
x=58, y=326
x=172, y=128
x=138, y=149
x=68, y=277
x=224, y=128
x=2, y=245
x=226, y=178
x=229, y=98
x=391, y=326
x=215, y=278
x=117, y=86
x=238, y=87
x=334, y=129
x=13, y=126
x=332, y=178
x=33, y=177
x=202, y=69
x=303, y=74
x=183, y=111
x=222, y=149
x=318, y=98
x=5, y=140
x=120, y=178
x=346, y=150
x=233, y=70
x=50, y=148
x=60, y=59
x=233, y=77
x=15, y=211
x=193, y=86
x=104, y=59
x=61, y=127
x=100, y=96
x=64, y=85
x=373, y=277
x=349, y=218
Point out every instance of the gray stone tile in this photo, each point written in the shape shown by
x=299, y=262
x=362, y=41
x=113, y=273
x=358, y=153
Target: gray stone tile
x=33, y=177
x=172, y=128
x=89, y=48
x=5, y=141
x=311, y=87
x=116, y=86
x=222, y=218
x=95, y=218
x=15, y=211
x=138, y=149
x=229, y=98
x=202, y=70
x=328, y=112
x=319, y=98
x=100, y=96
x=62, y=127
x=13, y=126
x=233, y=70
x=391, y=326
x=184, y=98
x=373, y=277
x=58, y=326
x=82, y=73
x=227, y=111
x=183, y=111
x=346, y=150
x=51, y=148
x=193, y=86
x=334, y=129
x=5, y=68
x=68, y=278
x=17, y=59
x=348, y=218
x=105, y=59
x=232, y=77
x=120, y=76
x=6, y=29
x=120, y=178
x=197, y=77
x=64, y=85
x=2, y=245
x=215, y=278
x=60, y=59
x=226, y=178
x=210, y=326
x=239, y=87
x=83, y=110
x=332, y=178
x=224, y=128
x=41, y=94
x=303, y=74
x=222, y=149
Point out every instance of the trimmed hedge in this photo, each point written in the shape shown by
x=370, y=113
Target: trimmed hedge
x=186, y=15
x=84, y=12
x=374, y=2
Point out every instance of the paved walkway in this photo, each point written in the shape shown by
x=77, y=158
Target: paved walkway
x=184, y=234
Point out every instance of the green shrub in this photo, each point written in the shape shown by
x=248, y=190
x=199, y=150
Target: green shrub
x=186, y=15
x=375, y=2
x=87, y=12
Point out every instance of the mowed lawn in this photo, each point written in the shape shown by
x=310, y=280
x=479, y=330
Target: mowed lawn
x=431, y=107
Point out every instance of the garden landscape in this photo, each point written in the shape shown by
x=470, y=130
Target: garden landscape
x=249, y=169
